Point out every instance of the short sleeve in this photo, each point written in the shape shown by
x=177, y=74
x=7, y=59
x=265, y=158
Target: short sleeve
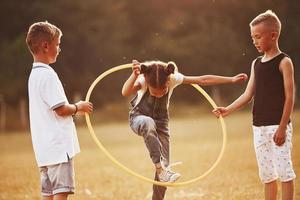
x=52, y=91
x=141, y=81
x=176, y=79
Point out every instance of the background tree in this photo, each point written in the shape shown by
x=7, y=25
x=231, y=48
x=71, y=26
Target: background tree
x=202, y=37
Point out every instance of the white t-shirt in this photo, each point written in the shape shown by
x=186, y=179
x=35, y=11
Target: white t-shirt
x=175, y=80
x=54, y=137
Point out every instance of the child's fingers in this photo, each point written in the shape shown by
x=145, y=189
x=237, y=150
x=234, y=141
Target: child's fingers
x=135, y=62
x=136, y=66
x=278, y=140
x=216, y=112
x=216, y=109
x=91, y=107
x=244, y=76
x=88, y=106
x=136, y=70
x=240, y=78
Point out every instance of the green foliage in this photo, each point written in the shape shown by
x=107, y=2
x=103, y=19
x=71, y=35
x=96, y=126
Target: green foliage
x=202, y=37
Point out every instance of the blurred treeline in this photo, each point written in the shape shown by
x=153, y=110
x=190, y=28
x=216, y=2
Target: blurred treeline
x=201, y=36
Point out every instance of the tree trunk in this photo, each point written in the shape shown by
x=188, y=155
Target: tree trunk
x=2, y=115
x=23, y=113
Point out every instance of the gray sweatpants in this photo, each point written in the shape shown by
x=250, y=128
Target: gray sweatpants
x=156, y=137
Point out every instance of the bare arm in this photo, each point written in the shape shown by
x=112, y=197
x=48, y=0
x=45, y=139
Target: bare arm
x=244, y=99
x=247, y=96
x=213, y=79
x=287, y=70
x=131, y=86
x=72, y=109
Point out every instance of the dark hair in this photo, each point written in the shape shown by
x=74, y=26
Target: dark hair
x=157, y=73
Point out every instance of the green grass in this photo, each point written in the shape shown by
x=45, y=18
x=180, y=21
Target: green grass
x=195, y=140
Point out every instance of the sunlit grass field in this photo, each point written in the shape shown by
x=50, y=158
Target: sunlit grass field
x=196, y=141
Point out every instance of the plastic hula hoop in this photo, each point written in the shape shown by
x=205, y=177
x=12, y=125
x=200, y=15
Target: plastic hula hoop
x=133, y=173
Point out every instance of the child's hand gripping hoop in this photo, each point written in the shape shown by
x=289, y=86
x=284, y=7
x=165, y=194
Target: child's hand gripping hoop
x=131, y=172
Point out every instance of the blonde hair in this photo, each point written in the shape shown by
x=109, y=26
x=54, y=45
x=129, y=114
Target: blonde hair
x=40, y=32
x=270, y=19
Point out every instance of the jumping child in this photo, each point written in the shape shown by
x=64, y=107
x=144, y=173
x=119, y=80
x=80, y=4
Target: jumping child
x=153, y=83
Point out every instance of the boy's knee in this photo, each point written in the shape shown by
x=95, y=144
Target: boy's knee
x=266, y=175
x=287, y=174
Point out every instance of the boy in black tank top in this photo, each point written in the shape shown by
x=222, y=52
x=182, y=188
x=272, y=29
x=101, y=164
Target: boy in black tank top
x=271, y=85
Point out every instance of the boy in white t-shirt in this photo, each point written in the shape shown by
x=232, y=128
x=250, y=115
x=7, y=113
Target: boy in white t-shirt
x=53, y=132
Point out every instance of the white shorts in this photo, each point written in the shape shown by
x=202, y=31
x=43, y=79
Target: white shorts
x=273, y=161
x=57, y=178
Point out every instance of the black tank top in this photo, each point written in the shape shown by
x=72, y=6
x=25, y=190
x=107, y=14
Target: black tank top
x=268, y=92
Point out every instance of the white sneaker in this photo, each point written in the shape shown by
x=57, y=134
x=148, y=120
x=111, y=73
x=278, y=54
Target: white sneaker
x=166, y=175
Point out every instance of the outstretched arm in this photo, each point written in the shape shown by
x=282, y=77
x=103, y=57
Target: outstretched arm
x=244, y=99
x=131, y=86
x=213, y=79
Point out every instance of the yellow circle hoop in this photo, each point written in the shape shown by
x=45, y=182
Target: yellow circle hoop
x=131, y=172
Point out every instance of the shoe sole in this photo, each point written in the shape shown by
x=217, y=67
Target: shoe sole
x=174, y=178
